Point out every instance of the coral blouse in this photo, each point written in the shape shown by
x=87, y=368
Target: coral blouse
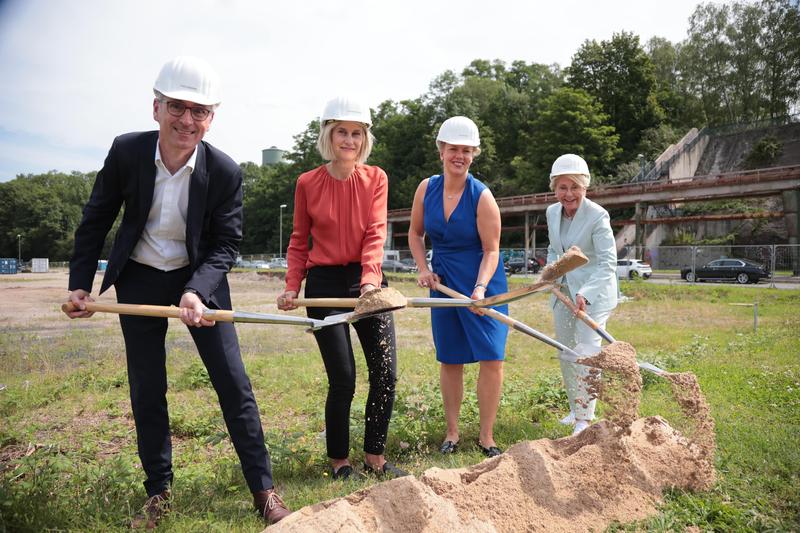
x=346, y=220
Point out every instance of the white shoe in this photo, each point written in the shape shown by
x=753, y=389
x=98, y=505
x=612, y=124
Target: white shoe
x=580, y=425
x=568, y=420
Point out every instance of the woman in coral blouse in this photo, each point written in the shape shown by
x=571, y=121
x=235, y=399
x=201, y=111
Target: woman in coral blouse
x=342, y=206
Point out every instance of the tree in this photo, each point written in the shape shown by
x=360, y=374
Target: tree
x=571, y=121
x=619, y=75
x=45, y=209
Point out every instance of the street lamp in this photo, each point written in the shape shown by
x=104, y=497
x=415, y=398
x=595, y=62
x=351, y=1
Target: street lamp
x=280, y=232
x=641, y=166
x=19, y=251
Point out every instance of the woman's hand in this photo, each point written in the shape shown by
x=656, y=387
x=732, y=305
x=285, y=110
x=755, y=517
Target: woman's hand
x=286, y=301
x=478, y=293
x=580, y=302
x=365, y=288
x=428, y=279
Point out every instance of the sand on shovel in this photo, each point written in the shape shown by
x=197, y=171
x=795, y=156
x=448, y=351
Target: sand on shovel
x=571, y=259
x=379, y=299
x=614, y=471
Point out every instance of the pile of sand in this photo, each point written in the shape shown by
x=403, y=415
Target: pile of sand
x=572, y=484
x=614, y=471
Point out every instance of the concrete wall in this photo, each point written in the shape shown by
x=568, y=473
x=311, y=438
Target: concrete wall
x=686, y=163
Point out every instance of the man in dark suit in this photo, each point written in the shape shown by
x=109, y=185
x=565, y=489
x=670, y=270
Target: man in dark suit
x=179, y=237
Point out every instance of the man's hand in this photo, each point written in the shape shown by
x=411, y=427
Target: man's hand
x=192, y=309
x=78, y=299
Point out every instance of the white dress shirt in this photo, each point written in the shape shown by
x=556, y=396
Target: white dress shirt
x=163, y=241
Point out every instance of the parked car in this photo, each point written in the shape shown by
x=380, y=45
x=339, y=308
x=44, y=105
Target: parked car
x=393, y=265
x=740, y=270
x=516, y=264
x=277, y=262
x=632, y=269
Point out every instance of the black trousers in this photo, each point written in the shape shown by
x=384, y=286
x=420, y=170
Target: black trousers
x=147, y=375
x=377, y=338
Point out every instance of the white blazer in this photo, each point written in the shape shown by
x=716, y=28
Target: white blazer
x=591, y=231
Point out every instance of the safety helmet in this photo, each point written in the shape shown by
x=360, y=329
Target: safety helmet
x=189, y=78
x=345, y=109
x=569, y=164
x=459, y=130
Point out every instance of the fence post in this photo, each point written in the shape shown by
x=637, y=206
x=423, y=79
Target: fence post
x=694, y=258
x=773, y=253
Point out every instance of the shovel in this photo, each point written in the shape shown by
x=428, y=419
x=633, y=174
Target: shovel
x=600, y=331
x=572, y=259
x=567, y=354
x=170, y=311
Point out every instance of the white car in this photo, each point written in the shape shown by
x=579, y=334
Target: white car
x=632, y=269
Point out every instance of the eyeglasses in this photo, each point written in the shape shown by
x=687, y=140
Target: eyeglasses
x=177, y=109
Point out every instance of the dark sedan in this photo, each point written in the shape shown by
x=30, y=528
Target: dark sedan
x=517, y=264
x=739, y=270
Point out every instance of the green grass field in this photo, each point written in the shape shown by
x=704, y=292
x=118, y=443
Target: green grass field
x=67, y=443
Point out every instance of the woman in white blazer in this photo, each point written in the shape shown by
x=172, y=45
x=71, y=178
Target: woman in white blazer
x=577, y=221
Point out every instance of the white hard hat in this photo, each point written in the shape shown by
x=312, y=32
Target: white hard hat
x=459, y=130
x=569, y=164
x=346, y=109
x=189, y=78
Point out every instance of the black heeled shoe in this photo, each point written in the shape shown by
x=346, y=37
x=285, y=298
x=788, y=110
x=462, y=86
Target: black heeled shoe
x=448, y=446
x=491, y=451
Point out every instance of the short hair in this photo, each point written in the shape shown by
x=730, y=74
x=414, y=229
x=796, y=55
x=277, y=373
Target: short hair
x=476, y=152
x=325, y=146
x=161, y=97
x=581, y=179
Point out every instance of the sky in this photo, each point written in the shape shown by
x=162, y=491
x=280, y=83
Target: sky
x=76, y=73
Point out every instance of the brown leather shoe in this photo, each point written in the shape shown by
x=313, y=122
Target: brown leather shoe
x=154, y=509
x=270, y=506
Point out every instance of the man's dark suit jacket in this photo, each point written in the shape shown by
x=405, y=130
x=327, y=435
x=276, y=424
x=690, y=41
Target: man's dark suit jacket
x=213, y=218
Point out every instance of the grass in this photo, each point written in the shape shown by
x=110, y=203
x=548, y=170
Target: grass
x=67, y=443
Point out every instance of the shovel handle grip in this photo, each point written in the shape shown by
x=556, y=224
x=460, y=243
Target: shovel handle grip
x=159, y=311
x=582, y=315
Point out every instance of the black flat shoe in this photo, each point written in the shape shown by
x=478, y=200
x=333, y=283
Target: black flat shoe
x=388, y=470
x=491, y=451
x=448, y=446
x=346, y=472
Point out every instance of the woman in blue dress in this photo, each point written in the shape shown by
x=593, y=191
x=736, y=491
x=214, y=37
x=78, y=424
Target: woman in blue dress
x=462, y=220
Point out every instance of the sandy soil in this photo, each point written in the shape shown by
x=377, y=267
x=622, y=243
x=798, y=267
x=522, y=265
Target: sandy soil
x=614, y=471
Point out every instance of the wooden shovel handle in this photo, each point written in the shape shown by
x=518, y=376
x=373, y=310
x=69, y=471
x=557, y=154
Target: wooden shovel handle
x=574, y=308
x=487, y=310
x=162, y=311
x=326, y=302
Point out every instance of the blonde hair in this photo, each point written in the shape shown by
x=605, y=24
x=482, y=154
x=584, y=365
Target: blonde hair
x=475, y=152
x=581, y=179
x=325, y=146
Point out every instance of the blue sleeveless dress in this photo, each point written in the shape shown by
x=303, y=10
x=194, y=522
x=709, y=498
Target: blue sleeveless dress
x=459, y=335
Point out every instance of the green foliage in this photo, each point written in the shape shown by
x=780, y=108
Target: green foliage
x=570, y=122
x=742, y=60
x=45, y=209
x=764, y=153
x=619, y=75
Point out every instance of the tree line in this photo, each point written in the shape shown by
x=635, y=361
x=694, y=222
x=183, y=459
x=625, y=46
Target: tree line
x=618, y=98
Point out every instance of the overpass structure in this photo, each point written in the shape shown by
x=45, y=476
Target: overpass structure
x=778, y=181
